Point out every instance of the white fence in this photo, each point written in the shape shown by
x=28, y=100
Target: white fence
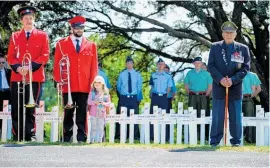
x=185, y=121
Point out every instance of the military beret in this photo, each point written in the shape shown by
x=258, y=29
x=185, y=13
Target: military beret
x=229, y=27
x=129, y=59
x=197, y=59
x=77, y=21
x=160, y=60
x=26, y=10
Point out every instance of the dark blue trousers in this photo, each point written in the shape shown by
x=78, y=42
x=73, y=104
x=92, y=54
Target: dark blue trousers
x=129, y=103
x=235, y=126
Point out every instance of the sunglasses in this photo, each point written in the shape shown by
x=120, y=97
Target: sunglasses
x=2, y=62
x=79, y=28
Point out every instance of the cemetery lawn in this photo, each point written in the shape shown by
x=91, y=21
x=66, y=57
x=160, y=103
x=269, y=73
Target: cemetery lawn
x=246, y=148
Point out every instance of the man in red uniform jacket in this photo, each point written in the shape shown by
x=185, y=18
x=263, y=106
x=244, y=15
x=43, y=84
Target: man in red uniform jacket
x=82, y=55
x=33, y=44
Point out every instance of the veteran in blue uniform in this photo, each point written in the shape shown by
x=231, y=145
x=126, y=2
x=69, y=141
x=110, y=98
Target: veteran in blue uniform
x=172, y=94
x=129, y=86
x=228, y=64
x=161, y=84
x=251, y=88
x=103, y=74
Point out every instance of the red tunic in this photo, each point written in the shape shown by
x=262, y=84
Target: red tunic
x=37, y=45
x=83, y=65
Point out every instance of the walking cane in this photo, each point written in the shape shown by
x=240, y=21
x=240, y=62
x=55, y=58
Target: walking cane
x=226, y=115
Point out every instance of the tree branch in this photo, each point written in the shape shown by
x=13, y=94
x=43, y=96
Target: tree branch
x=171, y=31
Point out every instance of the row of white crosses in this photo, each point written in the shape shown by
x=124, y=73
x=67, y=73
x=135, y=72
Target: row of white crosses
x=159, y=119
x=41, y=118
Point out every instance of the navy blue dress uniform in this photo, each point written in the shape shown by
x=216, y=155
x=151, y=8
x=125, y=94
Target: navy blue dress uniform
x=161, y=84
x=103, y=74
x=129, y=86
x=5, y=93
x=232, y=60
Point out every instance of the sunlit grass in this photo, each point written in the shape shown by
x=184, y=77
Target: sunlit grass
x=170, y=147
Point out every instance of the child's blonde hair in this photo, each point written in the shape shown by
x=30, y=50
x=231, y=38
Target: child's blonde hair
x=101, y=80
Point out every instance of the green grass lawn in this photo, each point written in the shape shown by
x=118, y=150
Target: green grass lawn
x=183, y=147
x=247, y=148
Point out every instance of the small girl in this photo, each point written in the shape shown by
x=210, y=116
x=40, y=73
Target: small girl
x=98, y=102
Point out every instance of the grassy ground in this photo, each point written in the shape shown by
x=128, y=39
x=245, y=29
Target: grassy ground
x=247, y=148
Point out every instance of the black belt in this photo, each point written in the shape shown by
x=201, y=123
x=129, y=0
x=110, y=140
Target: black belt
x=247, y=95
x=197, y=93
x=129, y=96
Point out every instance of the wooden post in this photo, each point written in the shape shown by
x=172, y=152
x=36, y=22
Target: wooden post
x=163, y=128
x=54, y=125
x=142, y=130
x=123, y=125
x=147, y=124
x=112, y=124
x=179, y=125
x=5, y=116
x=171, y=129
x=40, y=121
x=156, y=129
x=75, y=128
x=131, y=127
x=267, y=130
x=186, y=127
x=202, y=129
x=259, y=126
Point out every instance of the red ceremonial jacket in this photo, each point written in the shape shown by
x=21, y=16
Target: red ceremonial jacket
x=83, y=65
x=37, y=46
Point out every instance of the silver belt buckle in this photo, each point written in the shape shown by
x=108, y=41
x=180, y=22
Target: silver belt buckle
x=160, y=94
x=197, y=93
x=128, y=96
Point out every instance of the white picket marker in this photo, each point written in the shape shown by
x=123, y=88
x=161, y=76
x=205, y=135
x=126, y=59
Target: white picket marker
x=40, y=121
x=112, y=124
x=228, y=132
x=210, y=125
x=9, y=125
x=156, y=130
x=242, y=137
x=142, y=131
x=147, y=124
x=186, y=127
x=131, y=127
x=123, y=125
x=88, y=126
x=193, y=128
x=163, y=127
x=202, y=129
x=259, y=126
x=75, y=128
x=5, y=116
x=171, y=129
x=54, y=125
x=179, y=125
x=267, y=131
